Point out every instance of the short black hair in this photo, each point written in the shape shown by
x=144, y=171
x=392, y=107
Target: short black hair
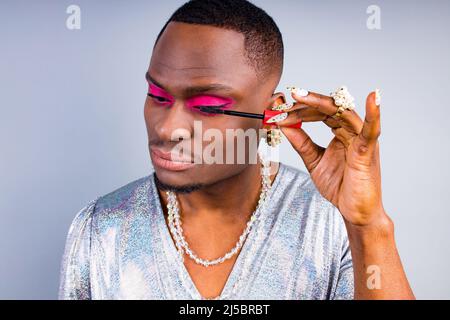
x=263, y=40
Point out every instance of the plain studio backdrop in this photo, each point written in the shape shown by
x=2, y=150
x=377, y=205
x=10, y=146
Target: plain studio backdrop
x=72, y=127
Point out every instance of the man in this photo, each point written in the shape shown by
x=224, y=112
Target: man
x=202, y=230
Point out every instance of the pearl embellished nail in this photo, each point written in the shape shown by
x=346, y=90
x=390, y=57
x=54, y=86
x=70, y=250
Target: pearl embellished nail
x=282, y=107
x=378, y=97
x=278, y=118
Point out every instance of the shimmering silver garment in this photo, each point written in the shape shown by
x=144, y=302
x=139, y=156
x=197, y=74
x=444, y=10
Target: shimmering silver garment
x=119, y=247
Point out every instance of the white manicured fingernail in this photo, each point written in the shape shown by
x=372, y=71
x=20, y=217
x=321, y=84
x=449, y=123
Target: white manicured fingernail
x=278, y=118
x=298, y=91
x=377, y=97
x=301, y=92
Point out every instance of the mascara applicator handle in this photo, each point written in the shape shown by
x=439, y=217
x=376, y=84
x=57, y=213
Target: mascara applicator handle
x=268, y=114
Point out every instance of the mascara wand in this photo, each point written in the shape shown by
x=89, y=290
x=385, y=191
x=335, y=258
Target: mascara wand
x=265, y=117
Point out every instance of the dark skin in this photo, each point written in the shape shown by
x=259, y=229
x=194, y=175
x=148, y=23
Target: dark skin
x=189, y=57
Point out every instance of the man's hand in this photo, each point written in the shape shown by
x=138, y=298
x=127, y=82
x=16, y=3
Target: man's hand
x=347, y=173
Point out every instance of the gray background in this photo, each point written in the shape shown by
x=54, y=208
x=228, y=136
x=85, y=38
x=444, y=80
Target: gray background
x=71, y=117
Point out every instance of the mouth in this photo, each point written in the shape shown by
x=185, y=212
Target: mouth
x=164, y=160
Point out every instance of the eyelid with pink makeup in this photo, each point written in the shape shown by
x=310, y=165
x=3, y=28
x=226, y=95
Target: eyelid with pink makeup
x=209, y=101
x=157, y=92
x=194, y=102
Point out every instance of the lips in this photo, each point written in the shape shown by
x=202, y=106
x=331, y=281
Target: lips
x=164, y=160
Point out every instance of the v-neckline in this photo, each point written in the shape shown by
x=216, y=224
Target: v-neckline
x=182, y=271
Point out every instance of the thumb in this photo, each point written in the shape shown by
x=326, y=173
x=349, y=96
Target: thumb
x=367, y=139
x=309, y=151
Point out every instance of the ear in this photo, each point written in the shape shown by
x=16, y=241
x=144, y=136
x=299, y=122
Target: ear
x=277, y=99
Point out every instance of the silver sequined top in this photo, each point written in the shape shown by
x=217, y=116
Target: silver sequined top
x=119, y=247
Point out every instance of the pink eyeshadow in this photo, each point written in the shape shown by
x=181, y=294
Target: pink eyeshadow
x=197, y=101
x=209, y=101
x=157, y=91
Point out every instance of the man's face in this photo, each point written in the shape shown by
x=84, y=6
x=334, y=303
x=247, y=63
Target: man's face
x=191, y=66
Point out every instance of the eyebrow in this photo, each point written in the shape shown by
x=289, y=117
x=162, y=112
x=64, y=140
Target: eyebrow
x=194, y=90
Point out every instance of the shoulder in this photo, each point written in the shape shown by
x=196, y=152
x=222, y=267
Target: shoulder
x=295, y=177
x=104, y=208
x=307, y=207
x=115, y=210
x=299, y=185
x=314, y=225
x=82, y=218
x=120, y=197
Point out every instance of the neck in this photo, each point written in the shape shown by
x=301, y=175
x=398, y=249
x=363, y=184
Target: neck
x=230, y=200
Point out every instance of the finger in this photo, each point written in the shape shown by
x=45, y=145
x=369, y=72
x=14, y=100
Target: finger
x=332, y=123
x=343, y=135
x=309, y=151
x=304, y=113
x=326, y=105
x=309, y=114
x=371, y=130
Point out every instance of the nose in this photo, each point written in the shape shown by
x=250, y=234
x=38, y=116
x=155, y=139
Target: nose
x=175, y=125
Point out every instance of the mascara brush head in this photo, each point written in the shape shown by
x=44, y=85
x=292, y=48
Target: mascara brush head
x=212, y=110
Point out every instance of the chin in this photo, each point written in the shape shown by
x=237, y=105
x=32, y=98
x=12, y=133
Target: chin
x=194, y=177
x=175, y=178
x=179, y=182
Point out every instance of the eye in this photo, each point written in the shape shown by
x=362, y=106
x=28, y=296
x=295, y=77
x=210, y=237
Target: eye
x=158, y=98
x=223, y=106
x=211, y=113
x=209, y=101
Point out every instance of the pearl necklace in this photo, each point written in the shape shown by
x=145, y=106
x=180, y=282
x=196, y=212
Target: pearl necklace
x=177, y=231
